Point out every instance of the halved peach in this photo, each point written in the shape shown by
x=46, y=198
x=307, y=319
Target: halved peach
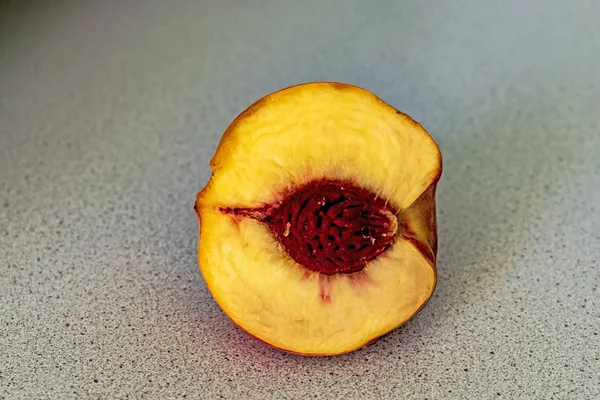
x=318, y=226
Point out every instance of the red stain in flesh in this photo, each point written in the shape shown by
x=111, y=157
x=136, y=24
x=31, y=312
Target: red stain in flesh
x=360, y=280
x=235, y=221
x=306, y=275
x=325, y=288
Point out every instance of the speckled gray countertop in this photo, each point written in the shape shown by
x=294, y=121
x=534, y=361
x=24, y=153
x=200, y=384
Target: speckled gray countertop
x=110, y=111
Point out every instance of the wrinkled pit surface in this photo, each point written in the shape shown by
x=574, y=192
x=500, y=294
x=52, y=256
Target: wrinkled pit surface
x=329, y=226
x=333, y=227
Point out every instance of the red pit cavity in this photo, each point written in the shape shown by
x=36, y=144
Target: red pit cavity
x=333, y=227
x=329, y=226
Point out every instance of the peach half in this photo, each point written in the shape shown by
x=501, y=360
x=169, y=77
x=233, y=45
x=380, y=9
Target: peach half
x=318, y=226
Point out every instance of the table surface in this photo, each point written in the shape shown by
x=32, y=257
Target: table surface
x=110, y=111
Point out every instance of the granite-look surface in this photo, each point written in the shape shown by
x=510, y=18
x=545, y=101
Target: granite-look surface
x=110, y=111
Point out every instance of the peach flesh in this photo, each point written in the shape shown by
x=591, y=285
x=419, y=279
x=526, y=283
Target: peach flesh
x=329, y=226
